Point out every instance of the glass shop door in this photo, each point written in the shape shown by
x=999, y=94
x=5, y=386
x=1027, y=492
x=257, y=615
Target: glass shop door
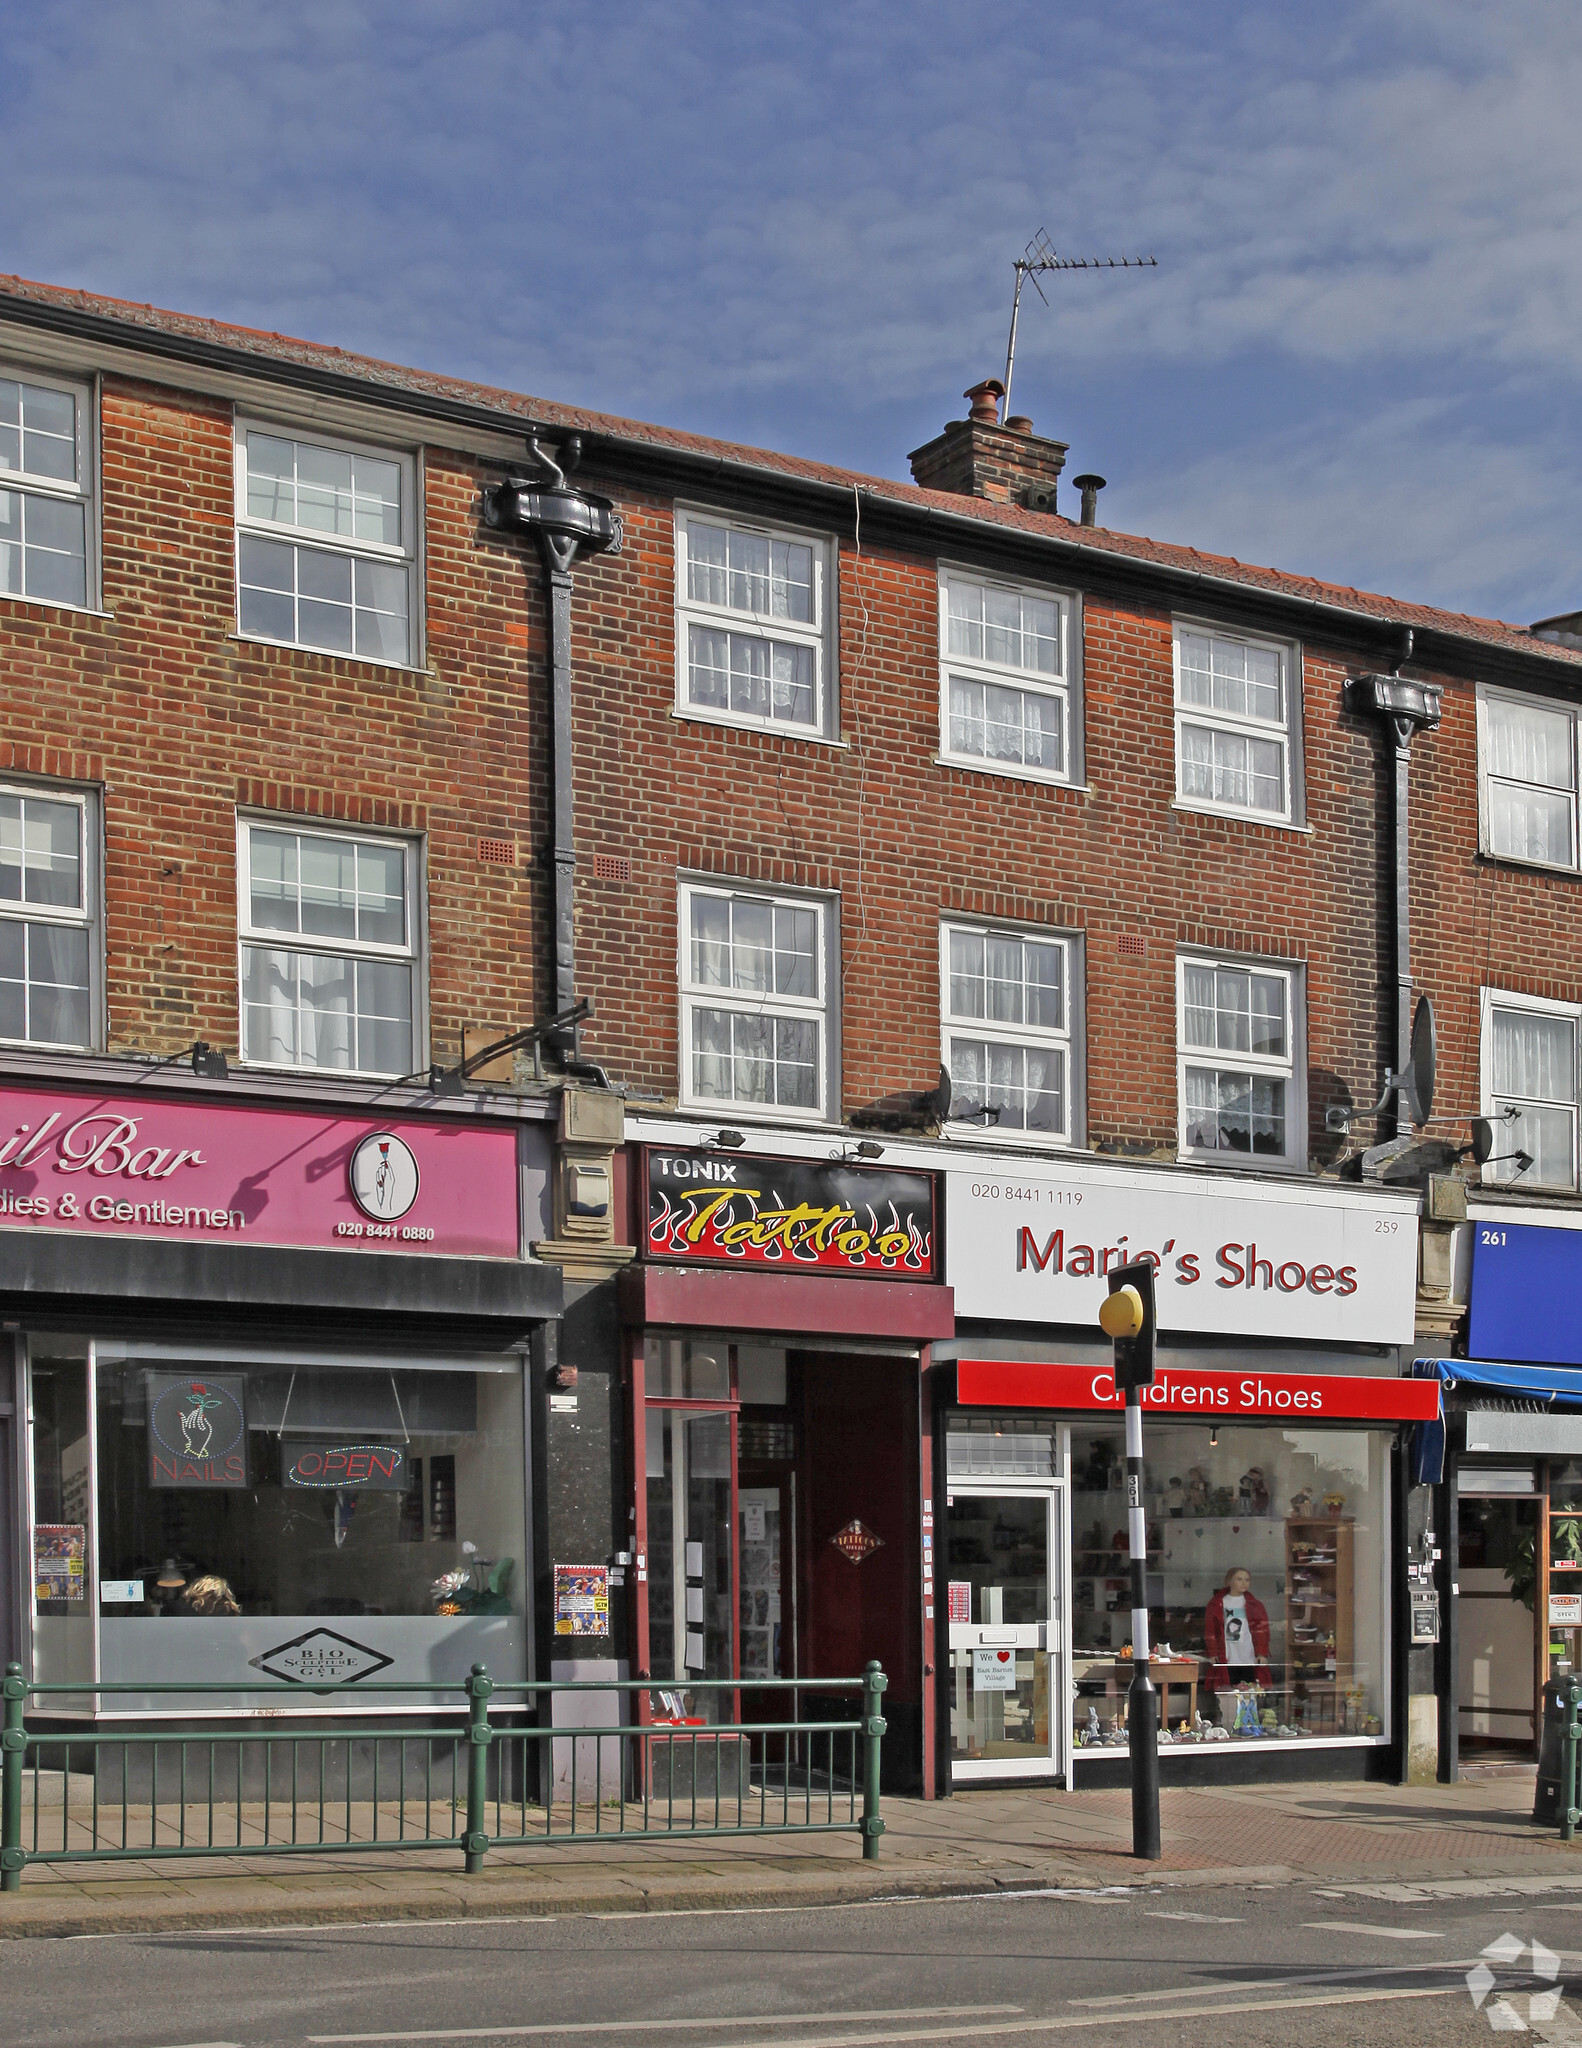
x=1003, y=1578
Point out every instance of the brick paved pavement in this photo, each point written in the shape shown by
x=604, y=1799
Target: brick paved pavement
x=1254, y=1834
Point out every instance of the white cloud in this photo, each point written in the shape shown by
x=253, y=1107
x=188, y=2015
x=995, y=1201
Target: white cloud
x=1408, y=500
x=805, y=221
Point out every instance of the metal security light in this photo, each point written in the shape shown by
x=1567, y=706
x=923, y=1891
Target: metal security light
x=868, y=1148
x=725, y=1141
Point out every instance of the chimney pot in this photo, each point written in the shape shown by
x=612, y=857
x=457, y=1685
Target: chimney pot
x=1089, y=486
x=1019, y=423
x=984, y=400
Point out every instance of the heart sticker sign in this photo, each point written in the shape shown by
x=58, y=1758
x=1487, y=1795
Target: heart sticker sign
x=993, y=1670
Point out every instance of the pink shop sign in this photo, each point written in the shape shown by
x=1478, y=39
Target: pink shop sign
x=147, y=1166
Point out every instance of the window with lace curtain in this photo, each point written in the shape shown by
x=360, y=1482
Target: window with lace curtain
x=1234, y=724
x=1006, y=685
x=47, y=468
x=51, y=944
x=1007, y=1003
x=1239, y=1074
x=752, y=627
x=1530, y=1086
x=1527, y=756
x=329, y=951
x=754, y=1001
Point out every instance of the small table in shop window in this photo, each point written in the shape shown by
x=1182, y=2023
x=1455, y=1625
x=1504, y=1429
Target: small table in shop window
x=1176, y=1673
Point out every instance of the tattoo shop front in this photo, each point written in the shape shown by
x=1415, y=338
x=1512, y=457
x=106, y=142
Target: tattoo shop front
x=778, y=1324
x=268, y=1359
x=1275, y=1439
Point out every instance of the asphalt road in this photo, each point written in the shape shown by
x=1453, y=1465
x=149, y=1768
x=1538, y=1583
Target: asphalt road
x=1228, y=1968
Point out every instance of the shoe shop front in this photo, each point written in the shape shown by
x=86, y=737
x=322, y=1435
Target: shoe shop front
x=266, y=1362
x=1274, y=1436
x=778, y=1322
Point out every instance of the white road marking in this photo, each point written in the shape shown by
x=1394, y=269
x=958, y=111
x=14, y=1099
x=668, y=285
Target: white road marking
x=1117, y=1998
x=1208, y=1919
x=1381, y=1933
x=778, y=2019
x=1419, y=1891
x=1063, y=2023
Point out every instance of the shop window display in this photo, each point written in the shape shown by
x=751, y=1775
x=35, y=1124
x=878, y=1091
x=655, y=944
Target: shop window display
x=1267, y=1582
x=337, y=1519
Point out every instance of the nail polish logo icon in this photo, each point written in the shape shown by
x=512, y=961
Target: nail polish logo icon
x=383, y=1176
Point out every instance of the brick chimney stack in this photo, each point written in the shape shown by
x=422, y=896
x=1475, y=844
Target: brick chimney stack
x=979, y=458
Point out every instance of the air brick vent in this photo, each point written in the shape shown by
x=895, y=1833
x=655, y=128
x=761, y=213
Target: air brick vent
x=1132, y=946
x=611, y=867
x=497, y=853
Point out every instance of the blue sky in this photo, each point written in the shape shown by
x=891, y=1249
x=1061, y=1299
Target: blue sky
x=1361, y=356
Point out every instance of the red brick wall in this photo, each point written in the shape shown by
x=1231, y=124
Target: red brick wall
x=904, y=840
x=182, y=722
x=1479, y=923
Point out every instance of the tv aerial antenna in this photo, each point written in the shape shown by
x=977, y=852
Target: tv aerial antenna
x=1039, y=255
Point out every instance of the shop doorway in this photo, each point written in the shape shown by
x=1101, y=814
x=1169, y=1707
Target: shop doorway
x=1500, y=1540
x=1002, y=1571
x=780, y=1533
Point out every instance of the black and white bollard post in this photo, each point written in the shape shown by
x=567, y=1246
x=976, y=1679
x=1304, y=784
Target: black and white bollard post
x=1142, y=1698
x=1127, y=1317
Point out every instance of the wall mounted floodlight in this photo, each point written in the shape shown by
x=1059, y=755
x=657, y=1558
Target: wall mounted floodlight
x=868, y=1148
x=726, y=1141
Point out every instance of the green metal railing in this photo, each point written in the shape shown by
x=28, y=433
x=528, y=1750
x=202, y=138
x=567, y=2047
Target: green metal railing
x=160, y=1789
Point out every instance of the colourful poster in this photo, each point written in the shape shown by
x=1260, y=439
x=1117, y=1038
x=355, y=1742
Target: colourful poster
x=582, y=1600
x=60, y=1552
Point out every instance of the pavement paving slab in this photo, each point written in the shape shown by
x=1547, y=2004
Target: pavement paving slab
x=1019, y=1839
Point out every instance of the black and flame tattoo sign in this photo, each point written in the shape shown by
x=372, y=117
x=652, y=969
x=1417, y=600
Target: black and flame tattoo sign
x=791, y=1214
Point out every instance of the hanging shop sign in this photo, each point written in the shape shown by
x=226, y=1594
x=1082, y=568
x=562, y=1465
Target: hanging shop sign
x=197, y=1430
x=791, y=1215
x=380, y=1468
x=1231, y=1260
x=1222, y=1396
x=155, y=1167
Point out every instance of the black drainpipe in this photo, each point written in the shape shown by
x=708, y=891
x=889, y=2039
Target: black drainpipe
x=1405, y=709
x=566, y=523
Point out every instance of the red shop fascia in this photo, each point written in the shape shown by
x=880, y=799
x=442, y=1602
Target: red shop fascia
x=777, y=1331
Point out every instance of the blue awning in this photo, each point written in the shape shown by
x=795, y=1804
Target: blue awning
x=1526, y=1382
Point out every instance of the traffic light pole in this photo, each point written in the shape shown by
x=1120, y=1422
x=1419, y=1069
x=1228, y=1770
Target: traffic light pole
x=1142, y=1700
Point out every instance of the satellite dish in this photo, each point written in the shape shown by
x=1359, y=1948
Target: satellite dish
x=1482, y=1140
x=1424, y=1055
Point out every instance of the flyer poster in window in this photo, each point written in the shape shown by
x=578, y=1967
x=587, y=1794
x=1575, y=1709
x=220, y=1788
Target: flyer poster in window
x=60, y=1551
x=582, y=1600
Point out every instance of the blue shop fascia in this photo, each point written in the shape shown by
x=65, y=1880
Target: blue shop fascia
x=1505, y=1466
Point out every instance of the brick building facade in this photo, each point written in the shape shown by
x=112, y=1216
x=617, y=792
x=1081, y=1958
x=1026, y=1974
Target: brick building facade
x=1098, y=824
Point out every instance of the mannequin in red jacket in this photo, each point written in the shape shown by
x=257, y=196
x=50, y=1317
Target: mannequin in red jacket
x=1236, y=1631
